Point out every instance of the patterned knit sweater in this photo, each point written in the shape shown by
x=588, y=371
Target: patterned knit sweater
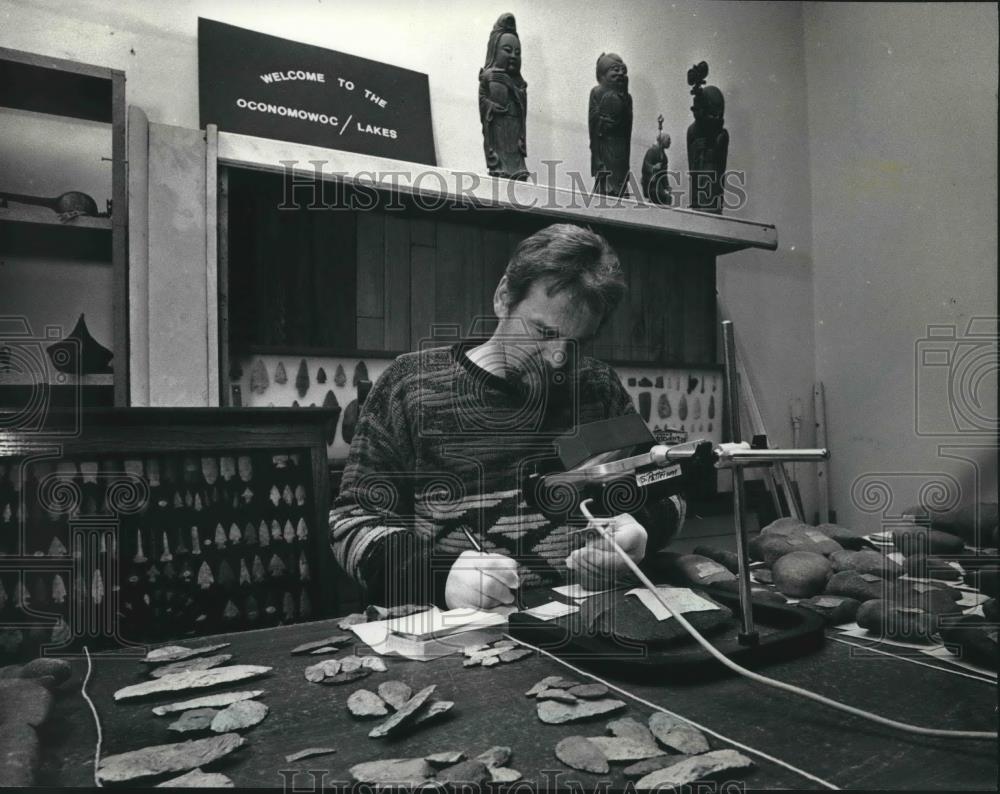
x=441, y=448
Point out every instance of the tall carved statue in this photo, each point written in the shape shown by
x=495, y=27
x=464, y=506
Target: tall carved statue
x=610, y=122
x=707, y=142
x=655, y=179
x=503, y=102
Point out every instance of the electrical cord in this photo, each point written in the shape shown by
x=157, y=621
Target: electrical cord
x=97, y=720
x=761, y=679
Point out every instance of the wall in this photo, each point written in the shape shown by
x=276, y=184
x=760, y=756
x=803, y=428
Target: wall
x=903, y=159
x=754, y=51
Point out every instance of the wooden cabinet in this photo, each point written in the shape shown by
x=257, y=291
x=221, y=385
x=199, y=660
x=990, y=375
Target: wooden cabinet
x=148, y=524
x=38, y=235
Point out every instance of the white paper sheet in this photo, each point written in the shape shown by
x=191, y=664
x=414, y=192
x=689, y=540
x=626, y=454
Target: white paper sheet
x=679, y=599
x=576, y=591
x=551, y=610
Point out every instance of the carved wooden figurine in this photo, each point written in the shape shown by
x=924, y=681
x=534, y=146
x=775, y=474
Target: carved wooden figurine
x=503, y=102
x=655, y=179
x=707, y=142
x=610, y=122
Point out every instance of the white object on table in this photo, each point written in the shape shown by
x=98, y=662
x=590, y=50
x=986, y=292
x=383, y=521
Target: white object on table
x=679, y=599
x=551, y=610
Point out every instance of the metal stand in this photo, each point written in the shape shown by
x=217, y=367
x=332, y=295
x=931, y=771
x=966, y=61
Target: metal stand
x=737, y=459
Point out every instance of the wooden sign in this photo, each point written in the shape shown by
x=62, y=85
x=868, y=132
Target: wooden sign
x=255, y=84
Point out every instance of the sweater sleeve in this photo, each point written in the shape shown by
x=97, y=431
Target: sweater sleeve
x=373, y=528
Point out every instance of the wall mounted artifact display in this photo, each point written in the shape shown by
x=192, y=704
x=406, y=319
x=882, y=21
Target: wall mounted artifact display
x=655, y=179
x=255, y=84
x=610, y=124
x=503, y=102
x=707, y=142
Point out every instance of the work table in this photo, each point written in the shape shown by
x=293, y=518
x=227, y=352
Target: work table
x=491, y=709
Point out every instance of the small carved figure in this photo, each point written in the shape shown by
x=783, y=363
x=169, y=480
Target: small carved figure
x=655, y=180
x=610, y=123
x=707, y=142
x=503, y=102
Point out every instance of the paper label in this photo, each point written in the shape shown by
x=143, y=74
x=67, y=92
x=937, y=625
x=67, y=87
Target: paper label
x=870, y=577
x=551, y=610
x=678, y=599
x=576, y=591
x=924, y=588
x=643, y=478
x=794, y=540
x=816, y=535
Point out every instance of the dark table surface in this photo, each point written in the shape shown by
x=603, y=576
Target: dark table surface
x=491, y=709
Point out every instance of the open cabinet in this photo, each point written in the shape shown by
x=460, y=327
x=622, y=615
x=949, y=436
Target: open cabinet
x=64, y=250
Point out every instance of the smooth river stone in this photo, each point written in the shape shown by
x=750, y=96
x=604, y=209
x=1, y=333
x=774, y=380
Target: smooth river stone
x=221, y=700
x=404, y=716
x=676, y=734
x=394, y=771
x=365, y=703
x=194, y=720
x=693, y=769
x=395, y=693
x=578, y=752
x=175, y=653
x=240, y=715
x=198, y=779
x=554, y=713
x=196, y=679
x=164, y=758
x=205, y=663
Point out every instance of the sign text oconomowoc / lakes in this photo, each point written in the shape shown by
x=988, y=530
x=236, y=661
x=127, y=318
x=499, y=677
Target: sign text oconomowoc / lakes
x=261, y=85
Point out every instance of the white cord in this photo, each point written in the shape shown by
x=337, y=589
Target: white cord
x=709, y=731
x=948, y=670
x=97, y=720
x=723, y=659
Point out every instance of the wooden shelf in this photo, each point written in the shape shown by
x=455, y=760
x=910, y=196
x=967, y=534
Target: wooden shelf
x=42, y=84
x=718, y=234
x=30, y=213
x=62, y=379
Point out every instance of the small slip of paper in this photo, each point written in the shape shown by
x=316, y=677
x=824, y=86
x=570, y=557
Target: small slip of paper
x=551, y=610
x=679, y=599
x=576, y=591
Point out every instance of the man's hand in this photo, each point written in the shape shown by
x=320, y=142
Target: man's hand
x=597, y=564
x=481, y=581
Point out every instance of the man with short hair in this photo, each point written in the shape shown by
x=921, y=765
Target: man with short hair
x=448, y=434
